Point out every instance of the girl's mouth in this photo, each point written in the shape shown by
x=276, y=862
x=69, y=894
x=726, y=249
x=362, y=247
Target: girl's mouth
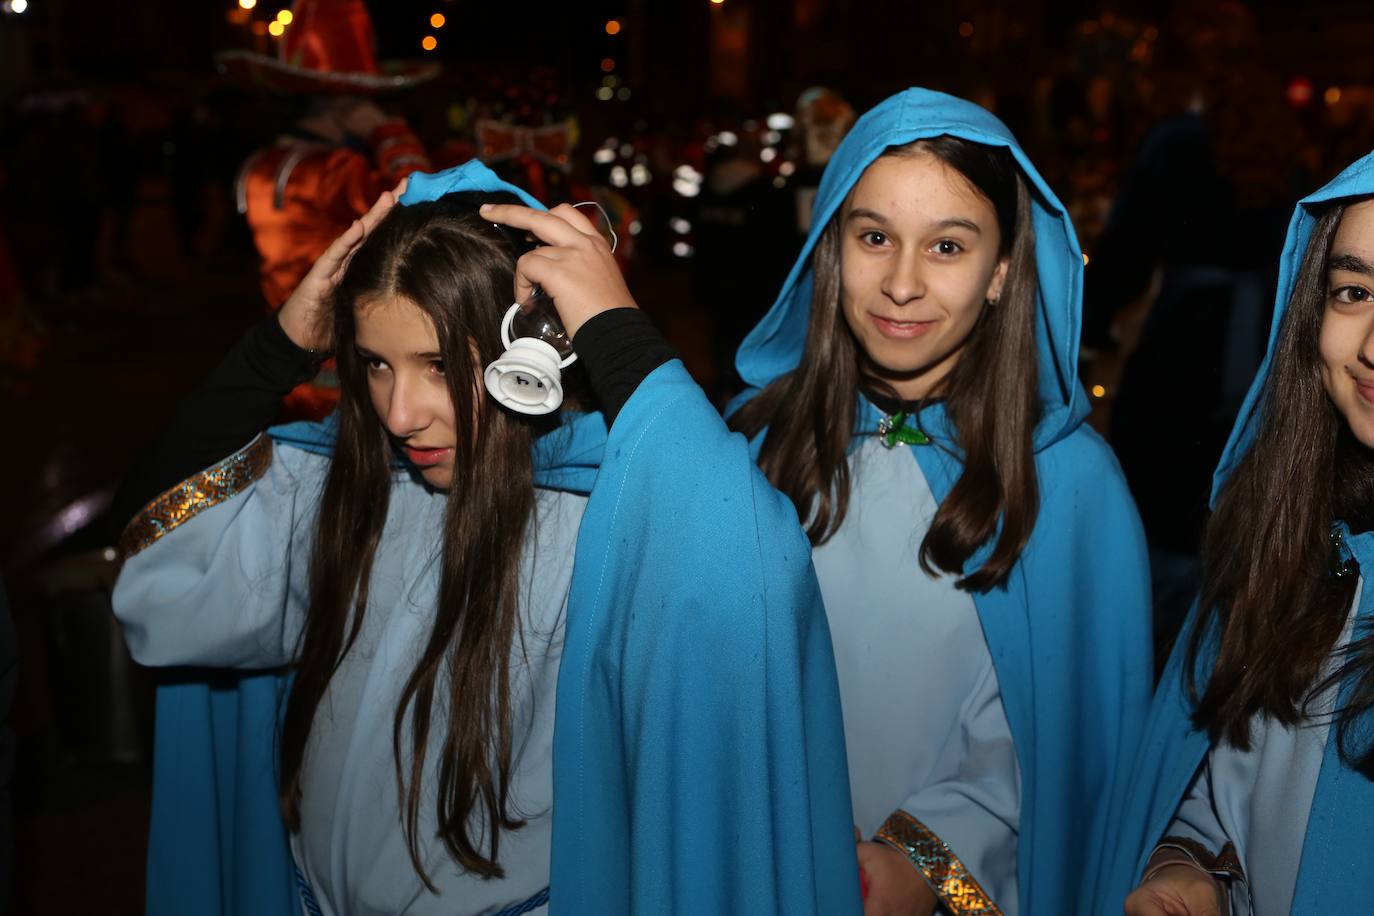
x=901, y=330
x=426, y=457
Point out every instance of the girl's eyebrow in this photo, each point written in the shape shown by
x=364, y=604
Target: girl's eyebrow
x=952, y=222
x=1351, y=262
x=865, y=213
x=426, y=356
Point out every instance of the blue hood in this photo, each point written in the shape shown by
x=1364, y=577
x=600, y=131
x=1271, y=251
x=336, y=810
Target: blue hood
x=1356, y=181
x=470, y=176
x=774, y=347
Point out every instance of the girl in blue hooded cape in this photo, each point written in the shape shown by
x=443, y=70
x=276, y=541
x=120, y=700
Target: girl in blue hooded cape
x=982, y=563
x=1253, y=791
x=438, y=575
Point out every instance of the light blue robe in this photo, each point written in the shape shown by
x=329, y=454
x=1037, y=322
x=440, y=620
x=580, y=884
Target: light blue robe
x=1069, y=637
x=698, y=758
x=1259, y=801
x=230, y=590
x=1330, y=840
x=909, y=649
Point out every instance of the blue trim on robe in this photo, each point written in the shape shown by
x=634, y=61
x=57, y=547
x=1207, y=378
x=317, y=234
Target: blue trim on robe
x=1338, y=843
x=1070, y=635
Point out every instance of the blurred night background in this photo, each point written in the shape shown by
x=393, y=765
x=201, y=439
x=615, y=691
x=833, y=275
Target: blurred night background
x=126, y=269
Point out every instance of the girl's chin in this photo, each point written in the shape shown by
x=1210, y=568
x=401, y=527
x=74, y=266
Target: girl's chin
x=439, y=478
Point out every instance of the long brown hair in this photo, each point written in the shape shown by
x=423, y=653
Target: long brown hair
x=458, y=269
x=1270, y=602
x=809, y=415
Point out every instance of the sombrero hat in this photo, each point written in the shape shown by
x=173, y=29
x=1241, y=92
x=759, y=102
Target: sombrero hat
x=328, y=49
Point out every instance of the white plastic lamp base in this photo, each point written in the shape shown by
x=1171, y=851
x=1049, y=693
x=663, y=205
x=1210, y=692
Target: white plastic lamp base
x=526, y=378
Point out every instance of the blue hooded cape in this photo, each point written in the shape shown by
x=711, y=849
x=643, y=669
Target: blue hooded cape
x=699, y=761
x=1070, y=634
x=1334, y=874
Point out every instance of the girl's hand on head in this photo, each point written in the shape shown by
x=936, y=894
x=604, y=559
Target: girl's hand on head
x=574, y=266
x=305, y=317
x=1177, y=890
x=895, y=887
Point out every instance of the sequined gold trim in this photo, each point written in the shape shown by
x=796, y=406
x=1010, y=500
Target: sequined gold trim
x=191, y=497
x=956, y=888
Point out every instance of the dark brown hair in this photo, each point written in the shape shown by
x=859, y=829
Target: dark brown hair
x=809, y=414
x=457, y=269
x=1271, y=604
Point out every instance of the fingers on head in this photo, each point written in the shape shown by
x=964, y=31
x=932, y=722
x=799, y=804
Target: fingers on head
x=581, y=221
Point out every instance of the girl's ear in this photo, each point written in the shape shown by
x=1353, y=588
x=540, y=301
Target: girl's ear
x=998, y=281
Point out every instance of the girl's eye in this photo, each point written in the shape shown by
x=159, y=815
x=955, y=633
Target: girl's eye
x=436, y=366
x=873, y=237
x=1351, y=294
x=375, y=365
x=948, y=247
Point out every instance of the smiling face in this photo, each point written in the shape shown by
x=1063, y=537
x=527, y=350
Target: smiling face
x=919, y=257
x=1347, y=332
x=407, y=383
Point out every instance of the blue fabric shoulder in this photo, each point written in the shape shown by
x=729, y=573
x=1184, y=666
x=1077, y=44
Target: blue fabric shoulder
x=699, y=760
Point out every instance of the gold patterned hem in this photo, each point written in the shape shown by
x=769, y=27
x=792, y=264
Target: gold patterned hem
x=951, y=881
x=191, y=497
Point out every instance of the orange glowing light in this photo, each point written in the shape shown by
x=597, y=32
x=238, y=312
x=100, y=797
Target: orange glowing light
x=1099, y=391
x=437, y=20
x=607, y=64
x=613, y=27
x=276, y=28
x=1332, y=95
x=430, y=43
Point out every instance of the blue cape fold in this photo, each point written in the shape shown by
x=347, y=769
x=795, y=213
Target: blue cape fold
x=1333, y=876
x=1070, y=634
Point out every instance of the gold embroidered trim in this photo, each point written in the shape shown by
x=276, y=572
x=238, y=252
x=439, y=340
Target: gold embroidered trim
x=191, y=497
x=956, y=888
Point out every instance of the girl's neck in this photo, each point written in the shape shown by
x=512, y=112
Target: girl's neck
x=889, y=404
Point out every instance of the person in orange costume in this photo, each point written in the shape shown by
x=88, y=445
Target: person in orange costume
x=306, y=189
